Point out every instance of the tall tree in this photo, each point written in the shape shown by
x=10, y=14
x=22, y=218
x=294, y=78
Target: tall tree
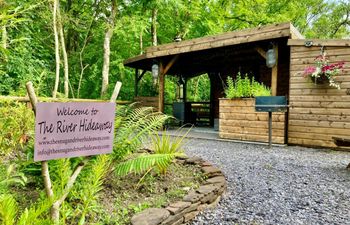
x=57, y=45
x=64, y=52
x=107, y=49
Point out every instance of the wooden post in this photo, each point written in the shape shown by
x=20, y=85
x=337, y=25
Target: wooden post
x=136, y=88
x=274, y=74
x=161, y=88
x=116, y=90
x=55, y=208
x=44, y=164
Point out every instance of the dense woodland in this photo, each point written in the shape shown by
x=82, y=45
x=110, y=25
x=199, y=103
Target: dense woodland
x=76, y=48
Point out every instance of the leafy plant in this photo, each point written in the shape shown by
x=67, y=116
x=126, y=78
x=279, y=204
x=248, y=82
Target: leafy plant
x=16, y=126
x=8, y=209
x=133, y=125
x=165, y=150
x=9, y=177
x=91, y=185
x=245, y=88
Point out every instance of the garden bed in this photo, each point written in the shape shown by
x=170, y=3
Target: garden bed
x=122, y=197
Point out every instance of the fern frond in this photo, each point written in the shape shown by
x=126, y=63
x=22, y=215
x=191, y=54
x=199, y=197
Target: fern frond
x=35, y=214
x=144, y=162
x=135, y=127
x=8, y=209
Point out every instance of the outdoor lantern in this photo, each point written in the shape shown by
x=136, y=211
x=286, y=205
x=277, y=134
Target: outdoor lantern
x=271, y=58
x=155, y=71
x=181, y=91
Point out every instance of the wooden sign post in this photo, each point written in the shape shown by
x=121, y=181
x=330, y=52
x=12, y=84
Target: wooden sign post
x=70, y=130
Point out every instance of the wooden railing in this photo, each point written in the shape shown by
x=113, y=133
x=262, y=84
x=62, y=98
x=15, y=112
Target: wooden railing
x=48, y=99
x=200, y=112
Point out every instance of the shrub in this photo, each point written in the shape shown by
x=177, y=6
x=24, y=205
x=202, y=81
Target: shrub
x=245, y=88
x=16, y=125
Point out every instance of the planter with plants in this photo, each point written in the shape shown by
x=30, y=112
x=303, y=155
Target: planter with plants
x=238, y=118
x=324, y=72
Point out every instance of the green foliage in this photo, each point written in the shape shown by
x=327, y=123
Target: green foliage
x=8, y=209
x=91, y=185
x=133, y=127
x=144, y=163
x=16, y=126
x=9, y=176
x=165, y=150
x=245, y=88
x=198, y=88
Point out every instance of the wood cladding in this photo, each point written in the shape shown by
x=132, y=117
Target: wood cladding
x=318, y=113
x=144, y=101
x=238, y=120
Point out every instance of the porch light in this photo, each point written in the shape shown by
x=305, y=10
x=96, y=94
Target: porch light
x=271, y=58
x=155, y=71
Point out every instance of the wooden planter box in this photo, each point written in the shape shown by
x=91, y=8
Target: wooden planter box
x=239, y=121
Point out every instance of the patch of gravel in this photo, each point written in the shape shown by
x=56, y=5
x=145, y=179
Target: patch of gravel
x=282, y=185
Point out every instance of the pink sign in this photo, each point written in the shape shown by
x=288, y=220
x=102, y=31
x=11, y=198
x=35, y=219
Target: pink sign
x=64, y=130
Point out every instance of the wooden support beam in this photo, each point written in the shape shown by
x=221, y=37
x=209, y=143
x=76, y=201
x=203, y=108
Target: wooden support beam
x=137, y=80
x=274, y=74
x=261, y=51
x=142, y=74
x=136, y=87
x=161, y=87
x=170, y=64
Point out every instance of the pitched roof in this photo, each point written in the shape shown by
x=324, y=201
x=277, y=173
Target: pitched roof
x=208, y=43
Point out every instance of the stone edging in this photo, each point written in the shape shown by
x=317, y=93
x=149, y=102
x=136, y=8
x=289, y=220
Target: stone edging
x=206, y=196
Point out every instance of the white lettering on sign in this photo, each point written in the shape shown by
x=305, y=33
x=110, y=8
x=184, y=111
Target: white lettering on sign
x=64, y=130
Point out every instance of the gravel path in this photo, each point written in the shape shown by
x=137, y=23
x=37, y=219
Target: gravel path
x=282, y=185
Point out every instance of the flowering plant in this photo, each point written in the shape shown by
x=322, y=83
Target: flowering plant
x=323, y=70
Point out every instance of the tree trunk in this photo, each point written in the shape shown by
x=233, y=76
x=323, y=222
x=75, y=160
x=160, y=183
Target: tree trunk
x=141, y=42
x=64, y=53
x=4, y=37
x=154, y=26
x=57, y=54
x=107, y=50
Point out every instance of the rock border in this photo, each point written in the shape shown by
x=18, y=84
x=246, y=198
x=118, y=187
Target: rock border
x=206, y=196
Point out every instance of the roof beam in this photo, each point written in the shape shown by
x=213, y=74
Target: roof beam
x=261, y=52
x=170, y=64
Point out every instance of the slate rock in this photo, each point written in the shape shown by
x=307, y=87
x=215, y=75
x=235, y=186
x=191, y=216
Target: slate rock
x=151, y=216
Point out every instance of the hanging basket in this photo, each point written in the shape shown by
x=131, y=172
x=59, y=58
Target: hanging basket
x=320, y=80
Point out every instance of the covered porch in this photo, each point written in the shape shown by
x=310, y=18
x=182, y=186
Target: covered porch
x=218, y=56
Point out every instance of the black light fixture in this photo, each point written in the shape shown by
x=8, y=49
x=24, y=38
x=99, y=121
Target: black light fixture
x=271, y=57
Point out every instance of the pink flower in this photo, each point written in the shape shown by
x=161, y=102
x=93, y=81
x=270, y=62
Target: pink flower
x=309, y=70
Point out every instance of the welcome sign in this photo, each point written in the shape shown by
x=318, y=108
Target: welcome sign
x=64, y=130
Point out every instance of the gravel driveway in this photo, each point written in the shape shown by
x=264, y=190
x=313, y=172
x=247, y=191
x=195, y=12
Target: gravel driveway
x=282, y=185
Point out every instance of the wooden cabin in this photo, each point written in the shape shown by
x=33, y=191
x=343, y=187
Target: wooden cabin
x=318, y=115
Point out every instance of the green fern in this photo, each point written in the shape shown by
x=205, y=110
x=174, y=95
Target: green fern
x=165, y=149
x=91, y=185
x=36, y=215
x=145, y=162
x=134, y=127
x=8, y=209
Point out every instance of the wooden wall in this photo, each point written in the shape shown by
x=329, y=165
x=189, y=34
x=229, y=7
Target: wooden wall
x=144, y=101
x=239, y=121
x=318, y=112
